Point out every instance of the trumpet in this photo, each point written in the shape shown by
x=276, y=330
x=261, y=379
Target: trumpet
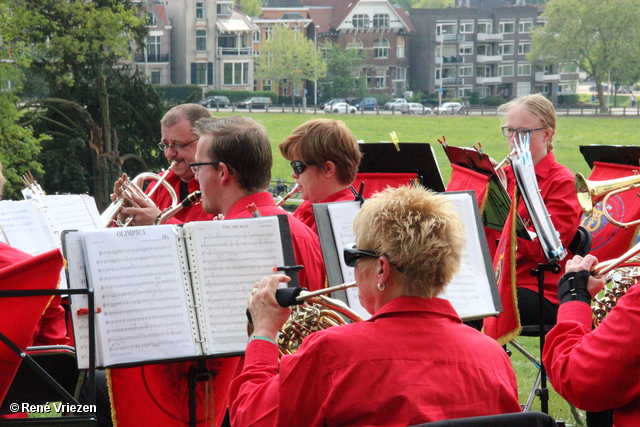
x=128, y=189
x=192, y=199
x=287, y=196
x=499, y=167
x=591, y=192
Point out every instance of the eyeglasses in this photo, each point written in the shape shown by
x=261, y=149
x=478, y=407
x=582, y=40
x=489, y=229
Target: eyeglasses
x=508, y=132
x=195, y=167
x=352, y=254
x=177, y=147
x=299, y=167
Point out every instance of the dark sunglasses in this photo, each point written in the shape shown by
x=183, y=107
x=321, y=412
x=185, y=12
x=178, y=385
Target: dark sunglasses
x=353, y=254
x=298, y=167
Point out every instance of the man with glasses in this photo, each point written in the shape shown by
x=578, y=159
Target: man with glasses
x=178, y=145
x=233, y=167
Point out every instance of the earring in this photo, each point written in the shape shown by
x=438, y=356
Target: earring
x=381, y=286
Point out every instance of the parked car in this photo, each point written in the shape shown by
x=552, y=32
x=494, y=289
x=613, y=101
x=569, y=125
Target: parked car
x=395, y=104
x=367, y=104
x=448, y=108
x=255, y=102
x=332, y=101
x=415, y=108
x=212, y=101
x=340, y=107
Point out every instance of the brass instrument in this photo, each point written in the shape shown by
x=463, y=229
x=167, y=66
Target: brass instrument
x=130, y=188
x=192, y=199
x=287, y=196
x=617, y=283
x=318, y=312
x=499, y=167
x=591, y=192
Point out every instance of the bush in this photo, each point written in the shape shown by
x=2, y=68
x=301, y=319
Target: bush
x=493, y=101
x=568, y=100
x=179, y=93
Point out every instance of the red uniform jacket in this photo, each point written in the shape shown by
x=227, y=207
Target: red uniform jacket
x=305, y=211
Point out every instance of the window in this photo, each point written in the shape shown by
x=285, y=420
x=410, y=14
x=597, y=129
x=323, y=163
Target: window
x=465, y=71
x=381, y=79
x=255, y=36
x=267, y=84
x=524, y=48
x=484, y=71
x=381, y=20
x=236, y=73
x=485, y=27
x=464, y=92
x=543, y=89
x=466, y=27
x=466, y=49
x=567, y=68
x=224, y=8
x=368, y=75
x=155, y=77
x=505, y=49
x=360, y=21
x=523, y=88
x=505, y=70
x=201, y=40
x=484, y=49
x=152, y=21
x=153, y=47
x=400, y=47
x=381, y=48
x=201, y=10
x=525, y=27
x=524, y=68
x=354, y=43
x=201, y=73
x=507, y=27
x=268, y=33
x=401, y=73
x=445, y=29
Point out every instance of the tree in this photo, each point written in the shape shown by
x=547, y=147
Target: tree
x=291, y=57
x=599, y=36
x=251, y=7
x=341, y=64
x=75, y=45
x=424, y=4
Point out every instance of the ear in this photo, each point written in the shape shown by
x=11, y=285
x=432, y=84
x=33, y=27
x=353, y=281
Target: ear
x=384, y=269
x=329, y=169
x=225, y=175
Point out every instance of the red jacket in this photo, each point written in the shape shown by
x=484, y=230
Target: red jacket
x=162, y=199
x=598, y=369
x=305, y=211
x=414, y=361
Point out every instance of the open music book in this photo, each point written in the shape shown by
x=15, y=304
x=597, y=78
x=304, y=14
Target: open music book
x=473, y=292
x=34, y=226
x=172, y=291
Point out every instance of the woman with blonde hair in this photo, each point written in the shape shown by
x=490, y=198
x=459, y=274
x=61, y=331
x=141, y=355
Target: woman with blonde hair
x=413, y=361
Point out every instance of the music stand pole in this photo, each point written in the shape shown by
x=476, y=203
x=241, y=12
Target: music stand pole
x=543, y=391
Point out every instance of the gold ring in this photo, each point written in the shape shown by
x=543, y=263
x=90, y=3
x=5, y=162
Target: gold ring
x=254, y=290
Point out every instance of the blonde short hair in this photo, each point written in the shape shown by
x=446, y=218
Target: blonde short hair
x=537, y=105
x=321, y=140
x=420, y=233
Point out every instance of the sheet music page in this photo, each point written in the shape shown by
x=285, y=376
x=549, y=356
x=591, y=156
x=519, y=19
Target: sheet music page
x=74, y=257
x=136, y=275
x=470, y=291
x=342, y=215
x=73, y=212
x=25, y=227
x=232, y=255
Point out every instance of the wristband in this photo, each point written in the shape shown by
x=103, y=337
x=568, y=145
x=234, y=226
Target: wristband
x=573, y=287
x=260, y=337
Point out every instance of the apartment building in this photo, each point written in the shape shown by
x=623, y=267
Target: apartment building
x=481, y=46
x=154, y=58
x=210, y=44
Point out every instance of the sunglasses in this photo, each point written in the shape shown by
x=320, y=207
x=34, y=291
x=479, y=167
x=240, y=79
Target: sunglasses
x=353, y=254
x=298, y=167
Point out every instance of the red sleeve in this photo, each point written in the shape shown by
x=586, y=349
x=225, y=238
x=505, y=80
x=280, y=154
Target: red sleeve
x=596, y=370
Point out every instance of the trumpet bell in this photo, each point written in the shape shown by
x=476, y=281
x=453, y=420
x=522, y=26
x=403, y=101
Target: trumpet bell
x=584, y=194
x=591, y=192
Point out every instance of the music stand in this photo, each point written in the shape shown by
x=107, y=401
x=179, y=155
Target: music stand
x=616, y=154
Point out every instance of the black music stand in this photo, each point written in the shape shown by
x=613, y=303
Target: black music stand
x=616, y=154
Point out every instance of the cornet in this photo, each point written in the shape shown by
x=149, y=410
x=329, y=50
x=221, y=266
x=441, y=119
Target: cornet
x=591, y=192
x=287, y=196
x=128, y=189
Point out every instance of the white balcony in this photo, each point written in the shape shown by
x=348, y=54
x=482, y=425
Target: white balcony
x=542, y=77
x=485, y=37
x=489, y=58
x=234, y=51
x=449, y=38
x=496, y=80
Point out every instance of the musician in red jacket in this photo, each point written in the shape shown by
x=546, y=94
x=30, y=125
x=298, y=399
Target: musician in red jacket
x=414, y=361
x=595, y=369
x=178, y=144
x=325, y=157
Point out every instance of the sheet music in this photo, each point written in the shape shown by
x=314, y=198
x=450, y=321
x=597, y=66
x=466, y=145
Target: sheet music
x=136, y=274
x=230, y=257
x=469, y=291
x=74, y=256
x=342, y=215
x=73, y=212
x=25, y=227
